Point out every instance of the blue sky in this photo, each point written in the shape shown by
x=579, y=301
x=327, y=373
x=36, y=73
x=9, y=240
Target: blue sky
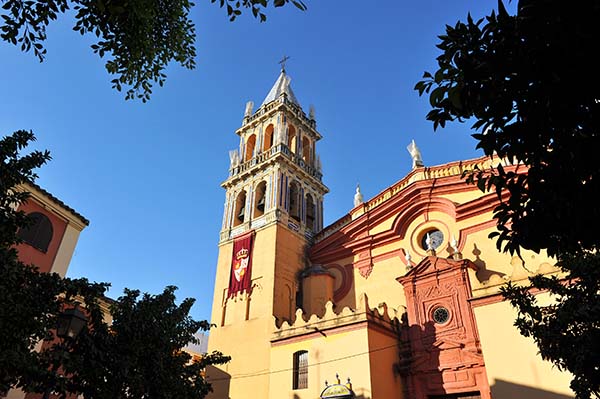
x=148, y=175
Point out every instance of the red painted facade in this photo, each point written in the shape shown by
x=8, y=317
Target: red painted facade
x=31, y=255
x=442, y=353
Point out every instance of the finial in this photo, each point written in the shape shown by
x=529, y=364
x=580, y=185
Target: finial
x=456, y=255
x=415, y=153
x=454, y=244
x=408, y=258
x=358, y=197
x=337, y=377
x=282, y=62
x=248, y=111
x=349, y=384
x=311, y=112
x=326, y=384
x=429, y=242
x=234, y=158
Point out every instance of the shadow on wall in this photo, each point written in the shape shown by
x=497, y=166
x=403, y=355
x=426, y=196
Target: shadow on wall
x=420, y=360
x=483, y=273
x=508, y=390
x=220, y=382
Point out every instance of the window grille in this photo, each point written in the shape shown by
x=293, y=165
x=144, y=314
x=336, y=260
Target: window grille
x=300, y=380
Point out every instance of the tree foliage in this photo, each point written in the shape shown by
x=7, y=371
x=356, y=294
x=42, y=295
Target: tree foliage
x=138, y=354
x=522, y=79
x=138, y=37
x=567, y=331
x=235, y=7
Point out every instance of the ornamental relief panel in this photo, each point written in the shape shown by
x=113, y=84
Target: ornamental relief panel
x=436, y=290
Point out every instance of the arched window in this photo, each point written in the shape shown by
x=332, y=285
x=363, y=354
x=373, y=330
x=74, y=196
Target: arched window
x=306, y=150
x=250, y=144
x=260, y=199
x=39, y=233
x=300, y=370
x=294, y=201
x=292, y=139
x=310, y=212
x=240, y=209
x=268, y=139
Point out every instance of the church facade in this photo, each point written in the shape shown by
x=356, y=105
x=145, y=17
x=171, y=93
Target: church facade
x=397, y=299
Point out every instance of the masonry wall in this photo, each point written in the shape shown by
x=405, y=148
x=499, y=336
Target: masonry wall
x=45, y=260
x=513, y=366
x=345, y=352
x=243, y=323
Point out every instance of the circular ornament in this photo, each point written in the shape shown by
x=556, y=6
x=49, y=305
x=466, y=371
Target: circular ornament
x=440, y=315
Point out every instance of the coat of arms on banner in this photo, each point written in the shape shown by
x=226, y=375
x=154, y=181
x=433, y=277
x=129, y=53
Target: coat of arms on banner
x=240, y=263
x=240, y=279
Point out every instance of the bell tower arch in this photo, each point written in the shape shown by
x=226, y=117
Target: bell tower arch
x=273, y=207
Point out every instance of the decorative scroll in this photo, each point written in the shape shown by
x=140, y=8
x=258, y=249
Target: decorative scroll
x=241, y=265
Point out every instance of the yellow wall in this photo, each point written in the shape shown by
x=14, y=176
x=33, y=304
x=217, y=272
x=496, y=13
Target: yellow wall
x=513, y=366
x=248, y=322
x=345, y=353
x=381, y=286
x=289, y=249
x=384, y=356
x=244, y=340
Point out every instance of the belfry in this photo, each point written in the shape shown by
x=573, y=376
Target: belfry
x=274, y=206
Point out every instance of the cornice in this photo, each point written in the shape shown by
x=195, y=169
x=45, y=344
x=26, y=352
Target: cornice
x=269, y=110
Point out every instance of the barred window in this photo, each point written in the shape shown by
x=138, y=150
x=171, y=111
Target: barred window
x=300, y=378
x=39, y=233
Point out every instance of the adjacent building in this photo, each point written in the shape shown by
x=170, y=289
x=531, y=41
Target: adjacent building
x=49, y=241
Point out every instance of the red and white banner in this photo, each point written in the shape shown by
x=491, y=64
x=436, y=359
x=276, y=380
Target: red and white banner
x=241, y=265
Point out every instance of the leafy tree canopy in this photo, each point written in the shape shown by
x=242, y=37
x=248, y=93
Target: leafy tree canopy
x=522, y=79
x=139, y=37
x=139, y=353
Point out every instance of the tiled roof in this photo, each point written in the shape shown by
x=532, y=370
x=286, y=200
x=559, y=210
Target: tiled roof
x=282, y=85
x=61, y=204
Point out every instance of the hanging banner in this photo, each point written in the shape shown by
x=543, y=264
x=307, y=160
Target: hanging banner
x=241, y=265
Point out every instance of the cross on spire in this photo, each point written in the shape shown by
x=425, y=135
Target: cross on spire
x=282, y=62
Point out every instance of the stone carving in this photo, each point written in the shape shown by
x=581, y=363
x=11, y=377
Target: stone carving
x=234, y=158
x=429, y=242
x=434, y=291
x=409, y=263
x=249, y=107
x=415, y=153
x=358, y=197
x=311, y=112
x=366, y=270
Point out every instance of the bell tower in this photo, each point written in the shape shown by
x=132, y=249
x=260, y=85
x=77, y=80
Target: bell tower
x=274, y=203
